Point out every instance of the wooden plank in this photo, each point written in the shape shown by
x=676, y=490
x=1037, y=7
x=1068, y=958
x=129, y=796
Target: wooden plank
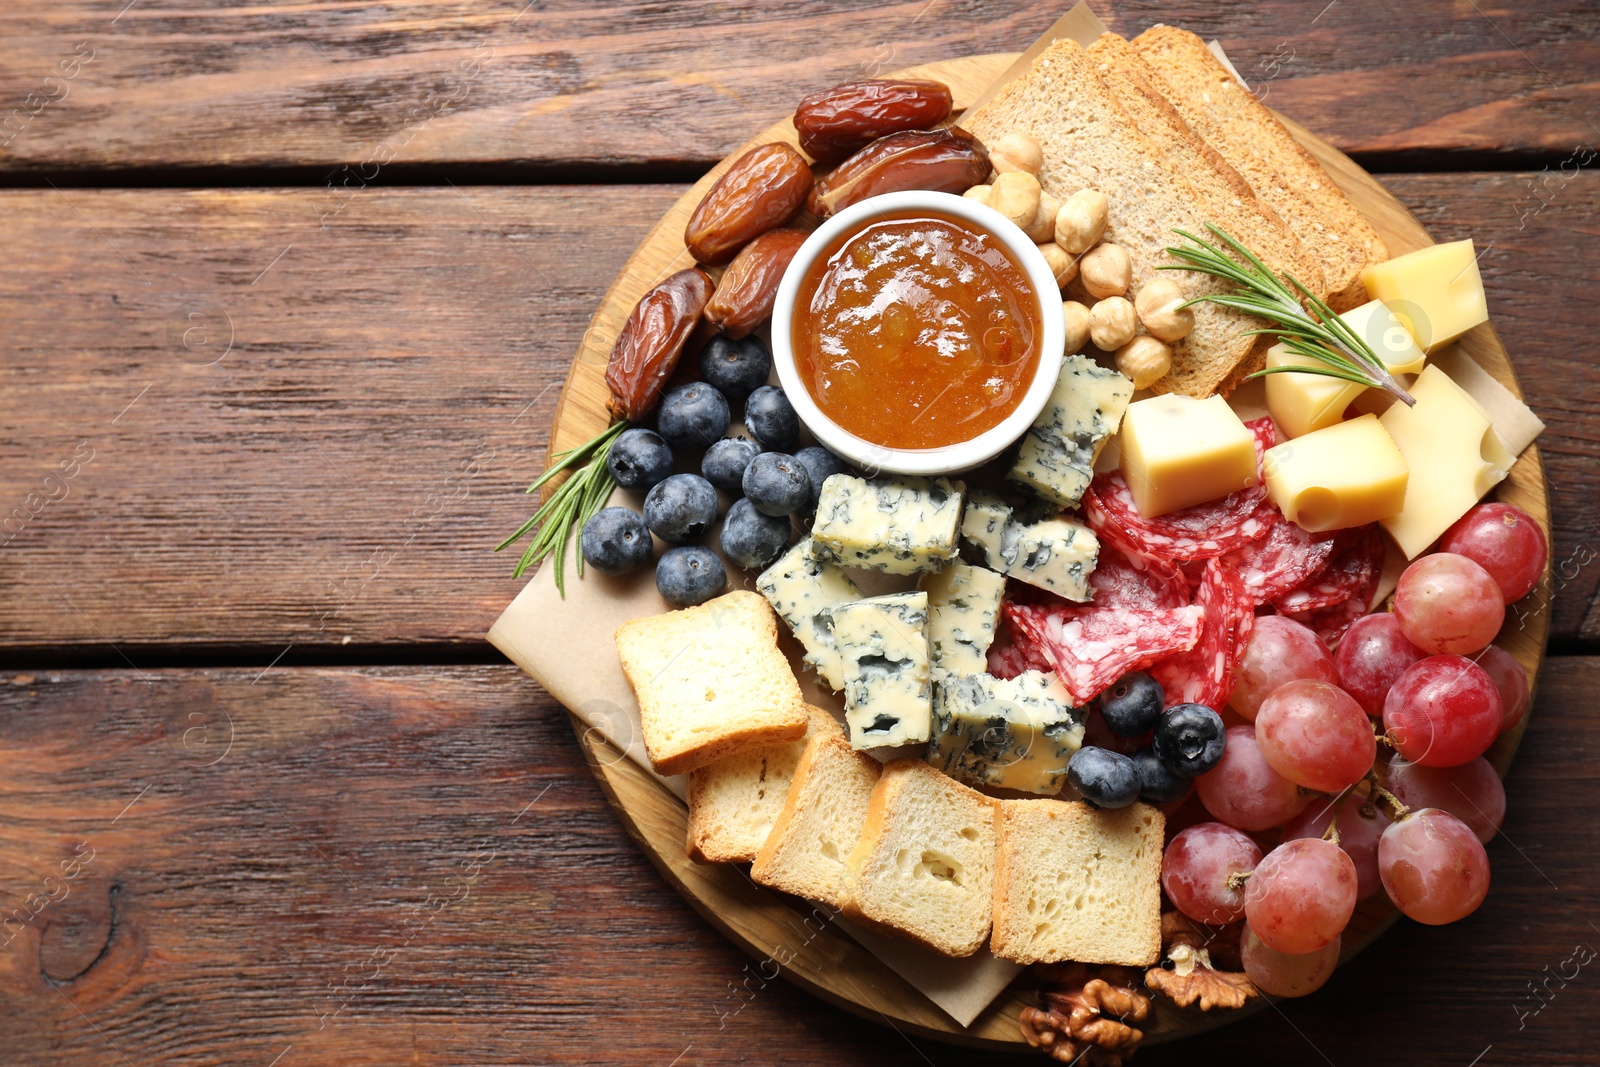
x=412, y=865
x=318, y=483
x=365, y=83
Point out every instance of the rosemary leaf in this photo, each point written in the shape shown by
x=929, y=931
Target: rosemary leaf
x=569, y=505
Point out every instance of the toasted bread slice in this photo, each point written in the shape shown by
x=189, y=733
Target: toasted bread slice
x=924, y=866
x=1249, y=136
x=1261, y=228
x=820, y=821
x=1075, y=883
x=1091, y=142
x=734, y=802
x=710, y=681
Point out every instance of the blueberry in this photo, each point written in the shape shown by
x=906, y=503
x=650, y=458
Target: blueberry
x=777, y=484
x=693, y=416
x=639, y=459
x=1157, y=785
x=1132, y=706
x=770, y=418
x=751, y=539
x=615, y=541
x=724, y=462
x=1189, y=739
x=681, y=508
x=738, y=368
x=1104, y=778
x=690, y=575
x=821, y=465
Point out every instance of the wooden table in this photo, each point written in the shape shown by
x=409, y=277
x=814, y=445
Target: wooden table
x=288, y=292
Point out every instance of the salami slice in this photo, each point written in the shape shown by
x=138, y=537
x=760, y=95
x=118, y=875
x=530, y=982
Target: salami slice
x=1280, y=561
x=1091, y=647
x=1332, y=621
x=1356, y=560
x=1122, y=579
x=1008, y=658
x=1205, y=673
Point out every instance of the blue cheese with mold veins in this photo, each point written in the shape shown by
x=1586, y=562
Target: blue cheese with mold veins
x=802, y=590
x=1058, y=453
x=1055, y=554
x=899, y=525
x=1013, y=734
x=963, y=605
x=883, y=646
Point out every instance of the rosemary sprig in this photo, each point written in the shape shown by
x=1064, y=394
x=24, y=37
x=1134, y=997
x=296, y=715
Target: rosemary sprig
x=571, y=505
x=1318, y=334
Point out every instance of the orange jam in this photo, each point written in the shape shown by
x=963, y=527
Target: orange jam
x=917, y=330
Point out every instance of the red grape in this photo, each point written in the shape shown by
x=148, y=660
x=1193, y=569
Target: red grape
x=1361, y=823
x=1510, y=679
x=1280, y=650
x=1196, y=868
x=1471, y=792
x=1244, y=791
x=1448, y=604
x=1300, y=897
x=1443, y=711
x=1372, y=655
x=1503, y=540
x=1433, y=866
x=1279, y=974
x=1315, y=735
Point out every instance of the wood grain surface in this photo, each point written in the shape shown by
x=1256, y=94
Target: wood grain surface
x=309, y=487
x=363, y=84
x=414, y=865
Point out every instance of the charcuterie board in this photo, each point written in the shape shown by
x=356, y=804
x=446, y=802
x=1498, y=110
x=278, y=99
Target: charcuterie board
x=820, y=957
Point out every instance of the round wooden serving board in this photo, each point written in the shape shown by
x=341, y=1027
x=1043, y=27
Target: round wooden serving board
x=772, y=927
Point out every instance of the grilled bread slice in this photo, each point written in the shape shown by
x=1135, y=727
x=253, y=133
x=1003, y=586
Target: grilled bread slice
x=1278, y=167
x=820, y=821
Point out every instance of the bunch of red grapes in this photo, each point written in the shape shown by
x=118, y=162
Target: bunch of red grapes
x=1307, y=761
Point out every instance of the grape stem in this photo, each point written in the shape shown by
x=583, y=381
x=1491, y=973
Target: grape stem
x=1401, y=812
x=1237, y=879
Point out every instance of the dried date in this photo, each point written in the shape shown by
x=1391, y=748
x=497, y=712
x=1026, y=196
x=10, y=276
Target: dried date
x=647, y=349
x=763, y=189
x=749, y=287
x=835, y=123
x=946, y=161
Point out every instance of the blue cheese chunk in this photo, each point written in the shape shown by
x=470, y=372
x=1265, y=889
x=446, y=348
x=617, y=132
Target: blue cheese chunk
x=1059, y=451
x=802, y=589
x=1014, y=734
x=883, y=645
x=1055, y=554
x=899, y=525
x=963, y=605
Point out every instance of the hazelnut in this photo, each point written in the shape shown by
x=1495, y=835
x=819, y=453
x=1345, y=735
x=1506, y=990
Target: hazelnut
x=1106, y=271
x=1144, y=361
x=980, y=193
x=1063, y=266
x=1015, y=195
x=1043, y=227
x=1160, y=307
x=1016, y=152
x=1081, y=221
x=1112, y=323
x=1077, y=320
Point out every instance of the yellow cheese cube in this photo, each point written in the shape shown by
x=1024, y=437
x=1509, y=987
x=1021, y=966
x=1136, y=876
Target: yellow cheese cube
x=1454, y=454
x=1344, y=475
x=1436, y=291
x=1301, y=403
x=1179, y=450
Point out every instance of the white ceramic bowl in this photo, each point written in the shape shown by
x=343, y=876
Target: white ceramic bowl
x=947, y=458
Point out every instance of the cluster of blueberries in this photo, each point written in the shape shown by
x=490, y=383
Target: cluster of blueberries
x=775, y=479
x=1188, y=741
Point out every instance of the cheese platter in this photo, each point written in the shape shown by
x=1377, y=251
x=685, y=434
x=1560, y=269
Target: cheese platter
x=1082, y=554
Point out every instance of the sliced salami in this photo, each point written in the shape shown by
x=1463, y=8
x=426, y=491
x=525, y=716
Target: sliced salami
x=1355, y=561
x=1091, y=647
x=1123, y=579
x=1205, y=673
x=1332, y=621
x=1007, y=658
x=1280, y=561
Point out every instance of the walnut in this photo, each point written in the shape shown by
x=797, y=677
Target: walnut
x=1088, y=1019
x=1193, y=976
